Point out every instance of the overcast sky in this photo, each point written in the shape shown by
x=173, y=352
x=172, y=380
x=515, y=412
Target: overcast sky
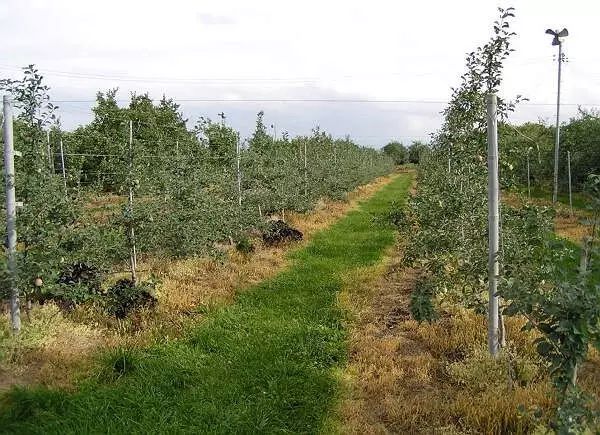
x=332, y=50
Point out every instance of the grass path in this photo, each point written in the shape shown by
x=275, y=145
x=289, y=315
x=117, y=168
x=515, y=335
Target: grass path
x=264, y=364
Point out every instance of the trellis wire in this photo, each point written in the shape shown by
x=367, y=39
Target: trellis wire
x=153, y=169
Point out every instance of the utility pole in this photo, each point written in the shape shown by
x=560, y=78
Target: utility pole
x=133, y=254
x=222, y=116
x=557, y=142
x=557, y=41
x=493, y=225
x=11, y=214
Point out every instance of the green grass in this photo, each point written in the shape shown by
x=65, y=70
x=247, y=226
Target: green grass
x=580, y=201
x=262, y=365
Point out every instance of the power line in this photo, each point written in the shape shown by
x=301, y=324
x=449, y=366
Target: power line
x=219, y=80
x=212, y=80
x=316, y=100
x=276, y=100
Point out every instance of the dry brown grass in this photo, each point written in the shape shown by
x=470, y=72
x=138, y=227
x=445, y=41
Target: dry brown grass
x=589, y=376
x=100, y=208
x=406, y=377
x=54, y=349
x=571, y=227
x=50, y=349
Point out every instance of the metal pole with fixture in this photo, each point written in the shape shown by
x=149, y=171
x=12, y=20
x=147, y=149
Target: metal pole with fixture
x=558, y=37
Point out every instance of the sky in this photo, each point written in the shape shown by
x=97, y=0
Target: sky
x=402, y=57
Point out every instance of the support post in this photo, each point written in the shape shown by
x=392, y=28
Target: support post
x=528, y=178
x=62, y=165
x=50, y=157
x=238, y=152
x=583, y=259
x=305, y=171
x=570, y=189
x=11, y=214
x=493, y=224
x=133, y=253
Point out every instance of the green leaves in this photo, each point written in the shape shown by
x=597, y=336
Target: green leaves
x=421, y=300
x=397, y=152
x=448, y=229
x=184, y=182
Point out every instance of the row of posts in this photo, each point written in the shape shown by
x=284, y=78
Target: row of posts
x=11, y=203
x=493, y=210
x=305, y=171
x=568, y=175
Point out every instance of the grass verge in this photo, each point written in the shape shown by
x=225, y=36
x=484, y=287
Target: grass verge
x=544, y=195
x=55, y=347
x=410, y=377
x=263, y=364
x=428, y=378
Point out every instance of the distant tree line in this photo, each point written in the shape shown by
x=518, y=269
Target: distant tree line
x=580, y=136
x=402, y=155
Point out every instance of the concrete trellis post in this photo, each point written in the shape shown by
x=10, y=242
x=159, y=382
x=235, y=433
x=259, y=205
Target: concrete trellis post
x=493, y=224
x=528, y=176
x=305, y=171
x=238, y=152
x=62, y=166
x=49, y=150
x=570, y=190
x=133, y=253
x=11, y=214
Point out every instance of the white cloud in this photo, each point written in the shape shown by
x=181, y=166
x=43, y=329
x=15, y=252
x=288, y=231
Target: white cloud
x=211, y=19
x=310, y=49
